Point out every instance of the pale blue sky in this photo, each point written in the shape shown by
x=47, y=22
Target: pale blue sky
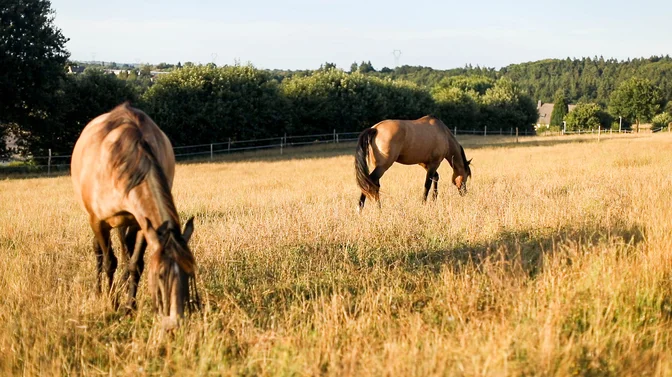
x=302, y=34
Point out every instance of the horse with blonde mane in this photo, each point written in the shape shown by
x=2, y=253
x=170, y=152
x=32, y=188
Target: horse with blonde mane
x=425, y=141
x=122, y=171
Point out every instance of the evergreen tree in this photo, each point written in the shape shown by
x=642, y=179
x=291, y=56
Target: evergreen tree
x=560, y=108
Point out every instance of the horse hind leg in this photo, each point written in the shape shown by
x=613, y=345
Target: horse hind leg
x=375, y=176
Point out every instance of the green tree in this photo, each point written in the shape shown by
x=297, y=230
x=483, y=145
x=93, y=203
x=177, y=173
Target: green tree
x=366, y=67
x=668, y=107
x=327, y=66
x=80, y=99
x=201, y=104
x=662, y=120
x=457, y=108
x=338, y=100
x=636, y=99
x=477, y=83
x=145, y=71
x=506, y=106
x=560, y=109
x=32, y=61
x=587, y=116
x=354, y=67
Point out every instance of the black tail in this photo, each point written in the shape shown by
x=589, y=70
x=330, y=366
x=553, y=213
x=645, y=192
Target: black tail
x=368, y=187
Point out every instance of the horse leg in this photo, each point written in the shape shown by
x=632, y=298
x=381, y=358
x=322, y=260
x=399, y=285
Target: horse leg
x=428, y=182
x=136, y=242
x=98, y=251
x=109, y=262
x=375, y=177
x=435, y=193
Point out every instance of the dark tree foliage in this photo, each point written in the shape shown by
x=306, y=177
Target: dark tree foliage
x=32, y=60
x=588, y=79
x=637, y=100
x=79, y=99
x=345, y=102
x=560, y=108
x=201, y=104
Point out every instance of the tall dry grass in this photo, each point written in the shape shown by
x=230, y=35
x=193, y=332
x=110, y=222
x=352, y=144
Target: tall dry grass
x=556, y=263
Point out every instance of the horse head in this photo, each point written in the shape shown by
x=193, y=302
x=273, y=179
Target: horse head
x=171, y=271
x=461, y=173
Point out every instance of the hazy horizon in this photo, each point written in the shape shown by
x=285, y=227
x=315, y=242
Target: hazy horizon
x=302, y=34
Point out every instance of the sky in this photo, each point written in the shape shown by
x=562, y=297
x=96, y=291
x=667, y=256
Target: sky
x=303, y=34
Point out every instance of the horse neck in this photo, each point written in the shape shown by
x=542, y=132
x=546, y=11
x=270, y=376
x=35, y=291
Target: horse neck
x=154, y=201
x=455, y=154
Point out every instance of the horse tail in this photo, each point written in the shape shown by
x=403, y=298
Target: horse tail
x=365, y=183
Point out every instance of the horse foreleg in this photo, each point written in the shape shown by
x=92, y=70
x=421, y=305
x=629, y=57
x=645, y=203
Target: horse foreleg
x=98, y=251
x=428, y=182
x=109, y=261
x=435, y=193
x=136, y=242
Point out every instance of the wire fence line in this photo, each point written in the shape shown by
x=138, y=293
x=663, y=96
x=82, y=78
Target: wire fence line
x=61, y=162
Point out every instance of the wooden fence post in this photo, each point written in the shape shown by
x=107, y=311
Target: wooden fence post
x=210, y=152
x=49, y=163
x=516, y=135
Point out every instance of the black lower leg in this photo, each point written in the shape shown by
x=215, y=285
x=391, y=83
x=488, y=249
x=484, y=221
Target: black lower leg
x=136, y=267
x=362, y=199
x=435, y=193
x=428, y=185
x=98, y=251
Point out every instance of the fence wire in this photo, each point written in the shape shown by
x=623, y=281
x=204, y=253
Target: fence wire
x=61, y=162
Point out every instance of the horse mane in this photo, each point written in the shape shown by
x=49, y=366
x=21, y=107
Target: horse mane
x=465, y=161
x=132, y=157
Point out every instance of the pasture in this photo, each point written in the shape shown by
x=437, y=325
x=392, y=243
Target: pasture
x=557, y=262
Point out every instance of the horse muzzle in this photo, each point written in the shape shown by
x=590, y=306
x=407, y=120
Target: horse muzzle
x=463, y=190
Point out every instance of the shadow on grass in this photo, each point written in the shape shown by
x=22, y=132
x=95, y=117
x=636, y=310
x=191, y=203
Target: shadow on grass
x=526, y=249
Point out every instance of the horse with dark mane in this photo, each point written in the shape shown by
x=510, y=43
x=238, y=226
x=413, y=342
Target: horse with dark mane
x=425, y=141
x=122, y=170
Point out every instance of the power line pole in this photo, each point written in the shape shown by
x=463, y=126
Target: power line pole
x=397, y=56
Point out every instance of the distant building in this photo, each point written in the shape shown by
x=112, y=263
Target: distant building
x=75, y=70
x=545, y=110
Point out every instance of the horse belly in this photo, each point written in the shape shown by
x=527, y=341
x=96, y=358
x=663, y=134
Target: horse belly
x=121, y=219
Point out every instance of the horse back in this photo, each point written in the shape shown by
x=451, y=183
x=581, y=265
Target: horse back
x=100, y=147
x=412, y=142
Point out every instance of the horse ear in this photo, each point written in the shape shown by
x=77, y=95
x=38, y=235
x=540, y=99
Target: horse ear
x=188, y=229
x=150, y=234
x=469, y=161
x=165, y=227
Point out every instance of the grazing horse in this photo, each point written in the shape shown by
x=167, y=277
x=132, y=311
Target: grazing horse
x=425, y=141
x=122, y=170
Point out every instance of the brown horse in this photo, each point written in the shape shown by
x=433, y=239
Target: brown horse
x=122, y=170
x=425, y=141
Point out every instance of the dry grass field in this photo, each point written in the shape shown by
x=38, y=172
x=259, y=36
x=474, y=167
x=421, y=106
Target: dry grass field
x=557, y=262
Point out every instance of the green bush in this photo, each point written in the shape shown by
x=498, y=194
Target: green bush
x=661, y=120
x=205, y=104
x=587, y=116
x=332, y=99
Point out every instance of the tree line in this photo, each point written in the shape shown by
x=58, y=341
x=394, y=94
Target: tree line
x=194, y=104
